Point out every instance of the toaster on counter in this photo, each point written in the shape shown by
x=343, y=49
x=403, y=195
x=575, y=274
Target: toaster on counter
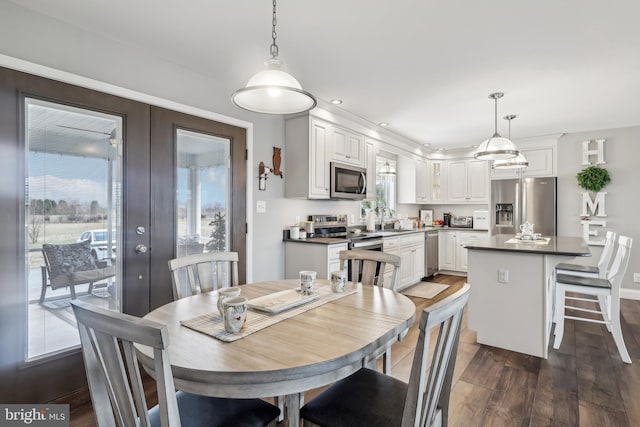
x=461, y=222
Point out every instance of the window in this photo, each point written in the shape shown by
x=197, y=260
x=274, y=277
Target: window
x=385, y=202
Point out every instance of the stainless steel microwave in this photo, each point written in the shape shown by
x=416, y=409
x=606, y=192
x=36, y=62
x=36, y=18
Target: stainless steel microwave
x=348, y=182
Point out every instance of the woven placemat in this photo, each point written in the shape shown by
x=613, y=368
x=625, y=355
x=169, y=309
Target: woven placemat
x=211, y=323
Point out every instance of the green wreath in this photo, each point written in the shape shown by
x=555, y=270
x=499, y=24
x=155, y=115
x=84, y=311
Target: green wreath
x=593, y=178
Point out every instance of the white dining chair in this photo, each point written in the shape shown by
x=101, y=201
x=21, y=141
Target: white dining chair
x=598, y=270
x=370, y=267
x=193, y=274
x=607, y=298
x=370, y=399
x=107, y=339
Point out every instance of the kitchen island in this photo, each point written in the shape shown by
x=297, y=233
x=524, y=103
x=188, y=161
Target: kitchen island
x=511, y=300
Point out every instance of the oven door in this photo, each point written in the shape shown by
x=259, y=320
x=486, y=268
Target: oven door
x=348, y=182
x=365, y=244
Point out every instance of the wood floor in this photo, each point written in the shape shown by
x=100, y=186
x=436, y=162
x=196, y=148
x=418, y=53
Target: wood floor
x=584, y=383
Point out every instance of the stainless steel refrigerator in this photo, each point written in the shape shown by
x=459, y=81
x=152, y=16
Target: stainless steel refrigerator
x=515, y=201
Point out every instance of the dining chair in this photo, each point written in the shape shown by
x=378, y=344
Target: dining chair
x=72, y=265
x=607, y=298
x=107, y=339
x=370, y=266
x=193, y=274
x=598, y=270
x=369, y=398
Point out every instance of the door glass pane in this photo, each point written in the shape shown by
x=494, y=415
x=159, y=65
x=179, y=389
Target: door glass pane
x=73, y=219
x=203, y=198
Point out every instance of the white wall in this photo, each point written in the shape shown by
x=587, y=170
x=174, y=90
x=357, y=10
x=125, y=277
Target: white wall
x=621, y=152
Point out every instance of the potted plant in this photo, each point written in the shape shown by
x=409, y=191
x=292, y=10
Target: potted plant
x=593, y=178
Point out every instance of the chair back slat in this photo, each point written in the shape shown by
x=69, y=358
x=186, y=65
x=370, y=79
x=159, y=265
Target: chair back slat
x=372, y=265
x=607, y=252
x=618, y=270
x=114, y=381
x=430, y=383
x=206, y=272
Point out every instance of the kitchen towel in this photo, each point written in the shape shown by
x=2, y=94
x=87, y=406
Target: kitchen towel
x=425, y=290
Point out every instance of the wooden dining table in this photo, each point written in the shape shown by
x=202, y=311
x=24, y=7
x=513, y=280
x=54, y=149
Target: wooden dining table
x=310, y=350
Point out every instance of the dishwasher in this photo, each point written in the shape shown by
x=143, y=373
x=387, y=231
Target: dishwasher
x=431, y=253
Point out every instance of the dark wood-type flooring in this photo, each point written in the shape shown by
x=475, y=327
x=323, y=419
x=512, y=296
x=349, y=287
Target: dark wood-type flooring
x=584, y=383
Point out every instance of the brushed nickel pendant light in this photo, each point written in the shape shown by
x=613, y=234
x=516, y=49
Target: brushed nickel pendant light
x=518, y=162
x=273, y=91
x=496, y=147
x=387, y=170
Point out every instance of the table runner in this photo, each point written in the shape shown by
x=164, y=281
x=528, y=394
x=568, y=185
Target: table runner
x=211, y=323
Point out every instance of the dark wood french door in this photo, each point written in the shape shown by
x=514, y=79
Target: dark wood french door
x=144, y=214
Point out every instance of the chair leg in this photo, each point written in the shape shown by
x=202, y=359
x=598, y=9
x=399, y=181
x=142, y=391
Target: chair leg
x=386, y=362
x=616, y=332
x=72, y=289
x=559, y=331
x=44, y=284
x=279, y=401
x=605, y=309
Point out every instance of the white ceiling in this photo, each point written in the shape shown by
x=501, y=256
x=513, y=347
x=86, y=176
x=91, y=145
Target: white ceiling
x=425, y=67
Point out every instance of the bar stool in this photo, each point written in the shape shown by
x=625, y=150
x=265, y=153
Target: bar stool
x=606, y=293
x=599, y=270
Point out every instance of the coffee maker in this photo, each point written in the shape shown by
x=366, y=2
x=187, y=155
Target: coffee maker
x=446, y=216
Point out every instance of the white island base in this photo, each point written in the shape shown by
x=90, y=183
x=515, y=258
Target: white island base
x=511, y=300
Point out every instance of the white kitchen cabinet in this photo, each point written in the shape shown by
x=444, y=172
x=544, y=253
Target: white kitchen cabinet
x=451, y=252
x=447, y=250
x=412, y=181
x=411, y=252
x=307, y=152
x=390, y=245
x=320, y=258
x=346, y=146
x=542, y=158
x=435, y=181
x=370, y=164
x=467, y=181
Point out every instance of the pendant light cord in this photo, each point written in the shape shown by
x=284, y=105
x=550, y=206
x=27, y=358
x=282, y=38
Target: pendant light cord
x=274, y=21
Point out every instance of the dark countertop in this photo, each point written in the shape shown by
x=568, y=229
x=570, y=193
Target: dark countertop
x=381, y=234
x=558, y=245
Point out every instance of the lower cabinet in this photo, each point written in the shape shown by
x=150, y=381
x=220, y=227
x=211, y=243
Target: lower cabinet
x=411, y=253
x=451, y=251
x=309, y=256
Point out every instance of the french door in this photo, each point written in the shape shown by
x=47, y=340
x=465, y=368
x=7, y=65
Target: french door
x=134, y=180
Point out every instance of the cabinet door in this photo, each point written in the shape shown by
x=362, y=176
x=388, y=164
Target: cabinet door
x=465, y=238
x=540, y=162
x=347, y=147
x=370, y=160
x=406, y=267
x=447, y=250
x=436, y=176
x=477, y=181
x=406, y=180
x=418, y=263
x=457, y=180
x=319, y=161
x=422, y=182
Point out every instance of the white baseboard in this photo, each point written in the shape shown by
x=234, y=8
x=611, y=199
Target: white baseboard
x=630, y=293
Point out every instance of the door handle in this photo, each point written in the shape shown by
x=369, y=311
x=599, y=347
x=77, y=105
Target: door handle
x=141, y=249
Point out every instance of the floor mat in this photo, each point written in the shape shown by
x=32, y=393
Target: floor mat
x=425, y=290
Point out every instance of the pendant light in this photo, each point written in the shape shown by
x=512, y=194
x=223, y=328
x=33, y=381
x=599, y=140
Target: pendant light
x=273, y=91
x=387, y=170
x=496, y=147
x=518, y=162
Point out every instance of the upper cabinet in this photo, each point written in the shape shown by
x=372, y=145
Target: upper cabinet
x=406, y=180
x=542, y=158
x=370, y=164
x=436, y=180
x=308, y=147
x=346, y=146
x=467, y=181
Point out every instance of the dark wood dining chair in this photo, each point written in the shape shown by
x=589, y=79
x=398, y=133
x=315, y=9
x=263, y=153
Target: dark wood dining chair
x=370, y=266
x=370, y=399
x=108, y=337
x=193, y=274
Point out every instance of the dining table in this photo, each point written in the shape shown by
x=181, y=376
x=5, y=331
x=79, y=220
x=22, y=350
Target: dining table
x=310, y=349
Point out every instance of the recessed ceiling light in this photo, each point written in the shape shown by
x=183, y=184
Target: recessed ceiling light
x=440, y=149
x=475, y=146
x=427, y=144
x=383, y=124
x=336, y=101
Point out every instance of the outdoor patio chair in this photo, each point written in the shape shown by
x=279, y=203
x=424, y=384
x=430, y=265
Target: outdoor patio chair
x=71, y=265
